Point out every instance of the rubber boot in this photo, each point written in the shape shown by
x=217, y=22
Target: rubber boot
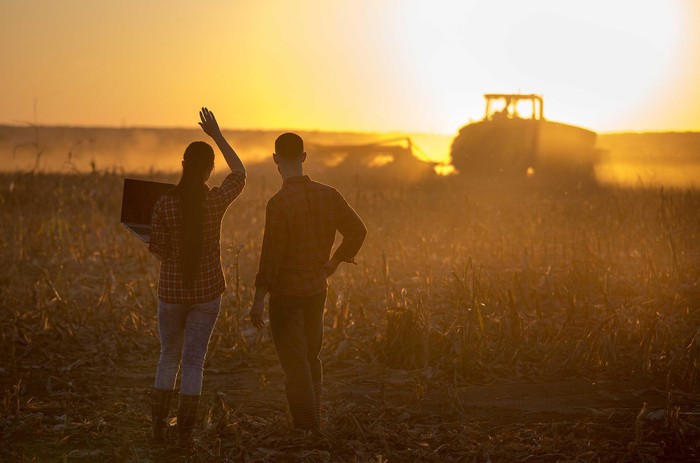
x=160, y=409
x=186, y=417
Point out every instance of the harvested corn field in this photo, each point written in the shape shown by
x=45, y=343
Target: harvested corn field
x=480, y=325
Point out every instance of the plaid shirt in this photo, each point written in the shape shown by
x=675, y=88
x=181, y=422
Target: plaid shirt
x=166, y=244
x=300, y=225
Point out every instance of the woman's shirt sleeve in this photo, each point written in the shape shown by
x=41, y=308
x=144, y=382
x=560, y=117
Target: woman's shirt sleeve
x=222, y=196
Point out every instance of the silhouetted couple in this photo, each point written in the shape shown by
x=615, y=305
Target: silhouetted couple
x=300, y=226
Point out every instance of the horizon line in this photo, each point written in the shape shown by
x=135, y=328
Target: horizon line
x=288, y=129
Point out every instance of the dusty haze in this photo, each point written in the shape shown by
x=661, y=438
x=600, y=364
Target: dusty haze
x=666, y=158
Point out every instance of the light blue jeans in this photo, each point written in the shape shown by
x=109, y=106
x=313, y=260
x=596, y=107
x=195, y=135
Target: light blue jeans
x=185, y=330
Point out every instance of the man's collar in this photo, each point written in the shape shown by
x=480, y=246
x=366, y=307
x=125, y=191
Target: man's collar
x=296, y=179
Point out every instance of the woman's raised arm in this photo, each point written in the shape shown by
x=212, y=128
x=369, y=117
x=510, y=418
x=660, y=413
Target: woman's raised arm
x=211, y=128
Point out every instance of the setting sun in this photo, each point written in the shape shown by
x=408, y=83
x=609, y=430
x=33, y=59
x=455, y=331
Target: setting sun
x=597, y=63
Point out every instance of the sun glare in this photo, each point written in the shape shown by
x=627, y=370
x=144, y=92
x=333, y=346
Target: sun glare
x=588, y=59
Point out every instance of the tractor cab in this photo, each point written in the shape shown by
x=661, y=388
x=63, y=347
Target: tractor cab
x=513, y=106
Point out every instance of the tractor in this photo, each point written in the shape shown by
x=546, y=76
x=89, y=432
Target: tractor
x=515, y=143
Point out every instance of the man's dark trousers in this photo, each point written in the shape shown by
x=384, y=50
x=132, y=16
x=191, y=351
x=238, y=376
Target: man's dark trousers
x=297, y=331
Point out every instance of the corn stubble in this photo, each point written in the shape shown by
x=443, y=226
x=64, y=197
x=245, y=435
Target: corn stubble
x=464, y=298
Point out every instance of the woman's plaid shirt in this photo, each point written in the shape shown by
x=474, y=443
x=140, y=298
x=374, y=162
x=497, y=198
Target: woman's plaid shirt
x=166, y=244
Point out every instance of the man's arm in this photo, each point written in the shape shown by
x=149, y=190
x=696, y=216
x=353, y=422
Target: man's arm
x=273, y=247
x=211, y=128
x=354, y=232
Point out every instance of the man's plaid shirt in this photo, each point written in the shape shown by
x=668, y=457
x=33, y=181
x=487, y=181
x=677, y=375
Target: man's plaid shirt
x=166, y=244
x=300, y=225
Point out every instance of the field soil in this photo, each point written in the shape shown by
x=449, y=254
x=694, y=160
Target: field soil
x=370, y=413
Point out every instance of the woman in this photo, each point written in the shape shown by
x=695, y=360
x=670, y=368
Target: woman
x=185, y=238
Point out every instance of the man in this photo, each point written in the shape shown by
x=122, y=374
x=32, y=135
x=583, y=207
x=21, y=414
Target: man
x=300, y=225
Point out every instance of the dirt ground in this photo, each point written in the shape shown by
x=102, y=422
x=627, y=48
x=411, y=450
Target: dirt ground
x=370, y=414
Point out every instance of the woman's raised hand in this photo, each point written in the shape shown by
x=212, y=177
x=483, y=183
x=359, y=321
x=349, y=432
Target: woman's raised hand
x=211, y=127
x=208, y=123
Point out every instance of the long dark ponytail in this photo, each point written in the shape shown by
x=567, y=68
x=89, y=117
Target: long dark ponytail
x=197, y=164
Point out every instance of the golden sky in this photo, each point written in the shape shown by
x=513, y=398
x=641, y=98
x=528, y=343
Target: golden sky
x=360, y=65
